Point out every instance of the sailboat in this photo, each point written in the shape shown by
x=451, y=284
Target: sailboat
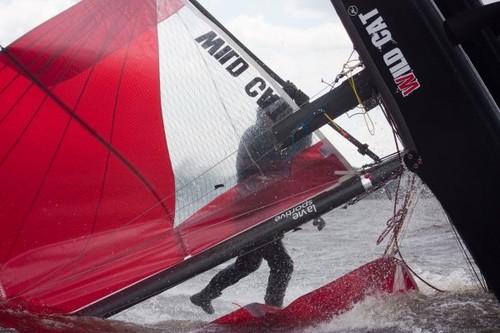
x=120, y=124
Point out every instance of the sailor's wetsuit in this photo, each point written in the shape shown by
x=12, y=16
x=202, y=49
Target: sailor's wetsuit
x=256, y=154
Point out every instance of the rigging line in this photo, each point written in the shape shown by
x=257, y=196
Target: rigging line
x=337, y=78
x=92, y=132
x=415, y=199
x=395, y=133
x=367, y=117
x=352, y=115
x=235, y=218
x=343, y=72
x=409, y=203
x=468, y=259
x=214, y=82
x=417, y=275
x=399, y=220
x=362, y=148
x=394, y=223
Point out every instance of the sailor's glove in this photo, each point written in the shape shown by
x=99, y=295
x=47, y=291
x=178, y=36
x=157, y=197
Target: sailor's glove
x=301, y=98
x=296, y=94
x=290, y=89
x=319, y=223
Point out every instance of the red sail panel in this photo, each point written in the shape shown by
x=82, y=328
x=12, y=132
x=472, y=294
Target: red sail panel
x=384, y=275
x=255, y=199
x=117, y=120
x=86, y=181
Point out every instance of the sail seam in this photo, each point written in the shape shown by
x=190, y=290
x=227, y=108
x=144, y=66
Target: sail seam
x=94, y=133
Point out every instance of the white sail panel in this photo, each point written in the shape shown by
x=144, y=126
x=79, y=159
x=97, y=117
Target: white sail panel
x=206, y=106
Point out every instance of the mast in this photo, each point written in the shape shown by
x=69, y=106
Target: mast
x=443, y=98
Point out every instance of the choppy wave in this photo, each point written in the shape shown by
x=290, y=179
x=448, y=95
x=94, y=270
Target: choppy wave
x=349, y=240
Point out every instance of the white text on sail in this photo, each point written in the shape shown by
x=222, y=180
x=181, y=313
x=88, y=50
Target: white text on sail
x=236, y=66
x=394, y=59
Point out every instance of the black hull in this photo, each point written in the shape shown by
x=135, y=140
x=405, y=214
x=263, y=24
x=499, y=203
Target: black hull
x=451, y=119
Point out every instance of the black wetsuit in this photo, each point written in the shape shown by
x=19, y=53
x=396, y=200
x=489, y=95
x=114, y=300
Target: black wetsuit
x=256, y=154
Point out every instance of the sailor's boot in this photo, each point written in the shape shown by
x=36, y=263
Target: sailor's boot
x=227, y=277
x=204, y=298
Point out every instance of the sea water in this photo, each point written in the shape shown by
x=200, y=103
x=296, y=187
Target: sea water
x=428, y=245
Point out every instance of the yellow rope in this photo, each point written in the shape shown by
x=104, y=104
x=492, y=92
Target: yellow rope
x=347, y=69
x=339, y=129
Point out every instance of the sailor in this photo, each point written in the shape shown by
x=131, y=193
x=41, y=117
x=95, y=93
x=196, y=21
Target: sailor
x=256, y=154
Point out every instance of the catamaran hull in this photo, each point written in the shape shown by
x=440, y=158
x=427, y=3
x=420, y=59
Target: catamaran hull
x=444, y=101
x=381, y=276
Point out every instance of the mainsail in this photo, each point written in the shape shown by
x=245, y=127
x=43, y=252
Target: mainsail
x=119, y=127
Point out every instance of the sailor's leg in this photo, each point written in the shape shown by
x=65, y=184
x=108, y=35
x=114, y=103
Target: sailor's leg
x=281, y=268
x=243, y=266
